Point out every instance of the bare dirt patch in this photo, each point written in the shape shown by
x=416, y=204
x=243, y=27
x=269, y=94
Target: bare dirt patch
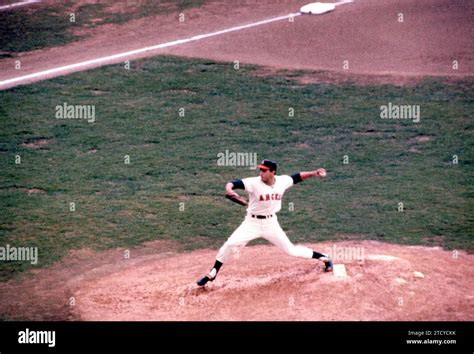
x=46, y=294
x=157, y=283
x=309, y=77
x=183, y=91
x=30, y=191
x=36, y=144
x=304, y=146
x=368, y=133
x=35, y=191
x=420, y=139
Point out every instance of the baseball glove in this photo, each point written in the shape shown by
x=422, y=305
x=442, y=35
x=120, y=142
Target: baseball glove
x=236, y=198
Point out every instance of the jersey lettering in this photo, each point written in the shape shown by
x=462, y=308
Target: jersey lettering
x=264, y=199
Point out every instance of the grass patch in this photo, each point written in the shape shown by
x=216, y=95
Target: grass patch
x=34, y=27
x=39, y=26
x=173, y=159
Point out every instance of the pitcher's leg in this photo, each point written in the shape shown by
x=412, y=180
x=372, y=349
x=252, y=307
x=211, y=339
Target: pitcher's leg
x=278, y=237
x=246, y=232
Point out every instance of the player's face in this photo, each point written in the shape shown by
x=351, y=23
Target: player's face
x=265, y=175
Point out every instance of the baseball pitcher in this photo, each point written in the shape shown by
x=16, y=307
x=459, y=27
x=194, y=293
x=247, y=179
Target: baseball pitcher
x=265, y=195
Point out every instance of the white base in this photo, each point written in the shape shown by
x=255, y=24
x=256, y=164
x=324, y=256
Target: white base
x=317, y=8
x=339, y=270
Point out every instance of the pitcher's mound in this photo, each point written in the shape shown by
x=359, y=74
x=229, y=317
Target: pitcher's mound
x=264, y=284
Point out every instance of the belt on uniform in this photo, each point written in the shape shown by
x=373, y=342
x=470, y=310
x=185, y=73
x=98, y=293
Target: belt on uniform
x=262, y=216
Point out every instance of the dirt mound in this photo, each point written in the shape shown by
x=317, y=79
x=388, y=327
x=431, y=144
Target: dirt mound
x=382, y=283
x=264, y=284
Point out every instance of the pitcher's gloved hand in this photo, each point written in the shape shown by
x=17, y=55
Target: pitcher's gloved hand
x=236, y=198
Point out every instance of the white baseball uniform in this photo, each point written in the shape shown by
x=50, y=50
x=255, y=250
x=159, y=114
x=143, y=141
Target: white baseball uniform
x=264, y=200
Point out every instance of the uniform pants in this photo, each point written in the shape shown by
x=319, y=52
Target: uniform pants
x=269, y=229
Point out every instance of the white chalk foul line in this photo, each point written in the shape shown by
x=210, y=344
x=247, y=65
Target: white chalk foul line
x=141, y=50
x=18, y=4
x=343, y=2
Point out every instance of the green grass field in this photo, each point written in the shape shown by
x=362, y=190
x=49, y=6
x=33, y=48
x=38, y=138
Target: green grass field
x=173, y=159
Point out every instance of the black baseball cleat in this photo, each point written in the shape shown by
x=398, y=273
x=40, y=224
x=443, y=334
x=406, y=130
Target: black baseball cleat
x=327, y=263
x=203, y=281
x=328, y=266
